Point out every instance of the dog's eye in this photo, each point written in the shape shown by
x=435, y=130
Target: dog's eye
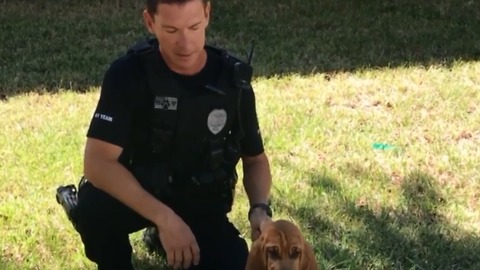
x=274, y=252
x=295, y=252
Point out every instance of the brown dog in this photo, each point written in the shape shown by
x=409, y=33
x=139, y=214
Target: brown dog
x=281, y=246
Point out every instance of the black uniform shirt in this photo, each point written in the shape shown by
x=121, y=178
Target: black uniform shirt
x=121, y=97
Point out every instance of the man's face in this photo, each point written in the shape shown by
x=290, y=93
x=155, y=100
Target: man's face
x=180, y=30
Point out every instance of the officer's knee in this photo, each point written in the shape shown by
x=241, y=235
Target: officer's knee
x=87, y=217
x=86, y=224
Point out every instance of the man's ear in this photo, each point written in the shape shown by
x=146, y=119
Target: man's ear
x=207, y=13
x=149, y=21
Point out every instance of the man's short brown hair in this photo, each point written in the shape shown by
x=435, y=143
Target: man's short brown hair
x=152, y=4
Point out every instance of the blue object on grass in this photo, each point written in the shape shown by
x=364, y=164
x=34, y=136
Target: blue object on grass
x=382, y=146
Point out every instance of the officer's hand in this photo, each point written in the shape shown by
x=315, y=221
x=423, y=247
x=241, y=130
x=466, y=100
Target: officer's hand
x=258, y=220
x=179, y=242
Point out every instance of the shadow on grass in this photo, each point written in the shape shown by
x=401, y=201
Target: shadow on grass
x=416, y=236
x=71, y=48
x=148, y=264
x=332, y=35
x=144, y=260
x=7, y=265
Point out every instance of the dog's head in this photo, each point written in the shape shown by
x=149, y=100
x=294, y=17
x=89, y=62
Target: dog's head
x=281, y=246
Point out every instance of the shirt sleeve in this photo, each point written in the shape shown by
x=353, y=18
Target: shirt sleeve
x=111, y=121
x=252, y=142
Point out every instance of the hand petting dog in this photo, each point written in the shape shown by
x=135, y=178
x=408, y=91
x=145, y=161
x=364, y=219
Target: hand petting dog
x=280, y=246
x=258, y=220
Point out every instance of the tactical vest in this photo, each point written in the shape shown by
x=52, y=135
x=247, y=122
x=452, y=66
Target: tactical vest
x=194, y=137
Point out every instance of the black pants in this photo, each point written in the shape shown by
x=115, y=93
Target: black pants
x=104, y=225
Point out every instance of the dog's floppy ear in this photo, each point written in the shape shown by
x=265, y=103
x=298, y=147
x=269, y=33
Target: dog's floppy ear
x=308, y=258
x=256, y=257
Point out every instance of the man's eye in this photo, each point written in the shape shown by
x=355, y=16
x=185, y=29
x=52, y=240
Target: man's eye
x=170, y=30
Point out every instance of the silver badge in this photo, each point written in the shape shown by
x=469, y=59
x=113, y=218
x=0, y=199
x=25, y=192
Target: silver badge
x=217, y=120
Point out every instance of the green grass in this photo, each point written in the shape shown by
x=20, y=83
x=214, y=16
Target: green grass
x=332, y=79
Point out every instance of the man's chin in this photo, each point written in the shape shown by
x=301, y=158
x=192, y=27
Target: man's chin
x=185, y=59
x=188, y=63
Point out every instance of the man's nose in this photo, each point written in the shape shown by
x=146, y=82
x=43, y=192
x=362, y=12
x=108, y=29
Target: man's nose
x=182, y=39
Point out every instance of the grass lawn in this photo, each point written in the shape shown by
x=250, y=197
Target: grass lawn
x=370, y=113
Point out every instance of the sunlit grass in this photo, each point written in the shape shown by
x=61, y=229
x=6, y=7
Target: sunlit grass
x=413, y=205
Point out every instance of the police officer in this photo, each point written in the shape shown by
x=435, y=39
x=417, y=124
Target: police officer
x=173, y=119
